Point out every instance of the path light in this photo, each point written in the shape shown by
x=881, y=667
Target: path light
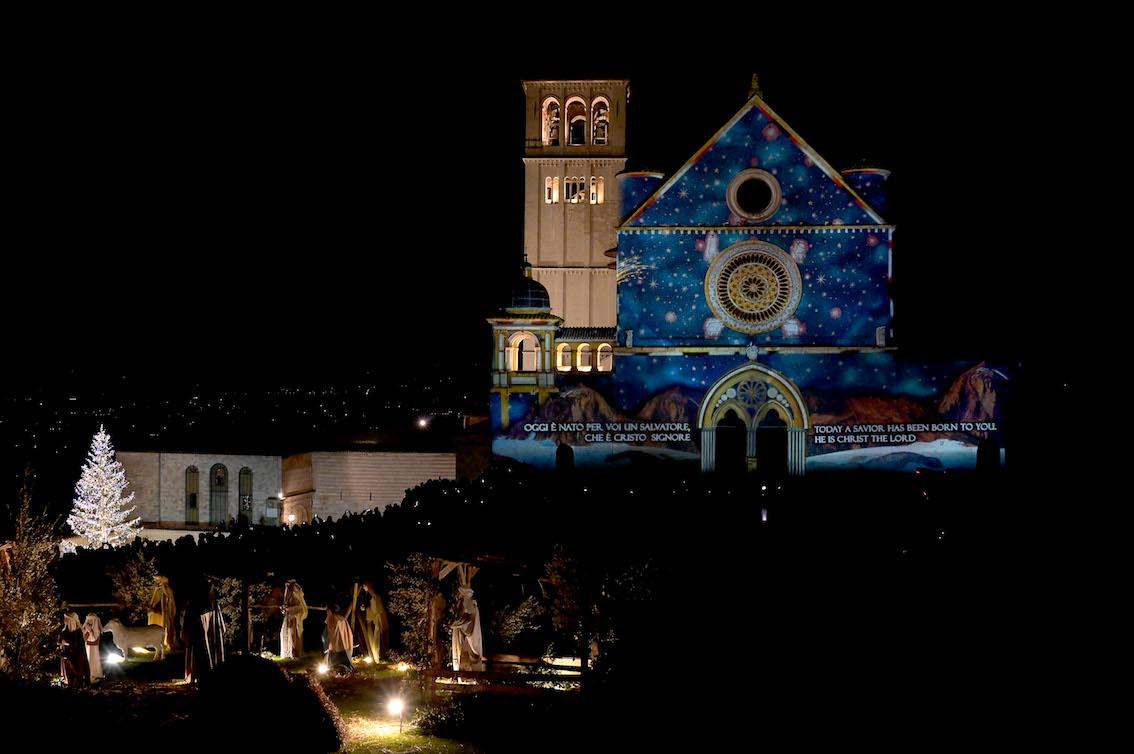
x=322, y=669
x=422, y=423
x=397, y=707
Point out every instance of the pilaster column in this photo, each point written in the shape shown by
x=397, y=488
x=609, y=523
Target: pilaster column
x=708, y=449
x=797, y=452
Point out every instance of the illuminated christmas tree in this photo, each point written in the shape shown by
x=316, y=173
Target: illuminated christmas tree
x=100, y=512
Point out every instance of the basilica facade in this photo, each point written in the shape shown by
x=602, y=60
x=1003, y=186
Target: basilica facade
x=735, y=315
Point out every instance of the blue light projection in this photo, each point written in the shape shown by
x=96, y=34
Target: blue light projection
x=865, y=407
x=845, y=277
x=810, y=195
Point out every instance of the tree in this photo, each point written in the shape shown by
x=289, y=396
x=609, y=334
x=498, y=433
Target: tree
x=28, y=598
x=413, y=583
x=100, y=513
x=133, y=582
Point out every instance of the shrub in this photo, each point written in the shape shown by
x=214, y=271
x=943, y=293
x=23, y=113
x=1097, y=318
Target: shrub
x=511, y=622
x=28, y=601
x=412, y=585
x=275, y=709
x=444, y=716
x=230, y=594
x=133, y=582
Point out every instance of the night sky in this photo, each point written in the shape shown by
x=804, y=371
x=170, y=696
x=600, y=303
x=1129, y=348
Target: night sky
x=218, y=249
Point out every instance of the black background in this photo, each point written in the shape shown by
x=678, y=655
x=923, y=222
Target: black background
x=253, y=212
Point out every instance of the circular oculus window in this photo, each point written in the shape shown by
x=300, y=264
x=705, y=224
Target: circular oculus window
x=753, y=287
x=754, y=195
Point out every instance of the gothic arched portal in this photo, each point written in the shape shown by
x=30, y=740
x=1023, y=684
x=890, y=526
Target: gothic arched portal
x=768, y=404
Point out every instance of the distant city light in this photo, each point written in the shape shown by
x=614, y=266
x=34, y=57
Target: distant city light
x=423, y=422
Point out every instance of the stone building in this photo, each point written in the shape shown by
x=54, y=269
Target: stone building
x=747, y=324
x=202, y=489
x=329, y=484
x=179, y=491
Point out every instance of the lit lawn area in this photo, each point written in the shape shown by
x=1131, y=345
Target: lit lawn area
x=362, y=699
x=154, y=690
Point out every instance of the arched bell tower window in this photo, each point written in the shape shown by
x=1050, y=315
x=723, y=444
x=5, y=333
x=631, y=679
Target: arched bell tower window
x=605, y=358
x=583, y=357
x=598, y=190
x=551, y=190
x=523, y=352
x=563, y=357
x=600, y=121
x=576, y=122
x=551, y=122
x=575, y=189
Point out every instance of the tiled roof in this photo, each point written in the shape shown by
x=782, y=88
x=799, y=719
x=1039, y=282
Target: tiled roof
x=585, y=333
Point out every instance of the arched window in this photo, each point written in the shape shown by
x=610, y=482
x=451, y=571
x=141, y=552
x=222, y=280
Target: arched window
x=523, y=353
x=246, y=493
x=575, y=189
x=583, y=357
x=594, y=190
x=601, y=190
x=218, y=494
x=600, y=120
x=551, y=122
x=192, y=490
x=551, y=190
x=576, y=122
x=605, y=358
x=563, y=357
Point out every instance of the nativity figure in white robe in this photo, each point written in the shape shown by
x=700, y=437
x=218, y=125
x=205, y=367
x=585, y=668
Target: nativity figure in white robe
x=295, y=612
x=468, y=647
x=92, y=636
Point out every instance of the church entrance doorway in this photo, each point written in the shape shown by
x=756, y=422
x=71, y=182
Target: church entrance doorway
x=732, y=441
x=767, y=410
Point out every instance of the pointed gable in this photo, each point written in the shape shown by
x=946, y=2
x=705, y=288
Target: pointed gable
x=758, y=141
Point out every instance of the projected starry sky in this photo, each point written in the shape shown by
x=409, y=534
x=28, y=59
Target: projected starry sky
x=844, y=275
x=640, y=377
x=810, y=196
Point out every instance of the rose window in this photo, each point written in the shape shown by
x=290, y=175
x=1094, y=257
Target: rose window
x=753, y=287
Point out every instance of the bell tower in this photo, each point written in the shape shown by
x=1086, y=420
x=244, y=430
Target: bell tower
x=574, y=146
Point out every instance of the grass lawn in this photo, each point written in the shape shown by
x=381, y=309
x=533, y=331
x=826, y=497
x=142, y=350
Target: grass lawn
x=362, y=698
